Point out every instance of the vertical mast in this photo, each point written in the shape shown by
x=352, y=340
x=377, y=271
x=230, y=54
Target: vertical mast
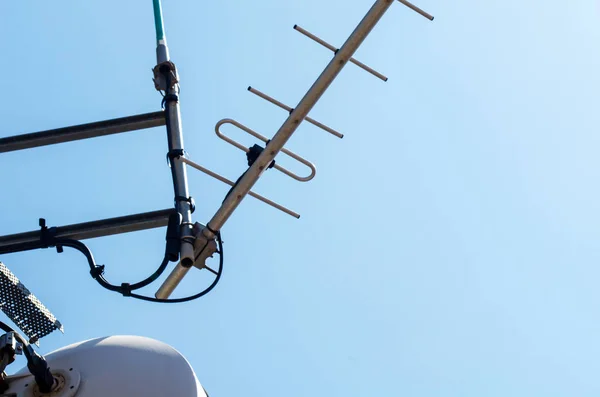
x=166, y=79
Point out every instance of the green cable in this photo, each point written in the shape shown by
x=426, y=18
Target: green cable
x=158, y=22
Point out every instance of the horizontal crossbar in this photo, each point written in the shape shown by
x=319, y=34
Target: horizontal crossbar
x=83, y=131
x=81, y=231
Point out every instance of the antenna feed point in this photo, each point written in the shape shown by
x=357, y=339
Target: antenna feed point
x=203, y=249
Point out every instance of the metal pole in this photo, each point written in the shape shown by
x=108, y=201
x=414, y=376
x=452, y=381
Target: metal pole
x=250, y=193
x=162, y=52
x=83, y=131
x=289, y=109
x=183, y=202
x=332, y=48
x=81, y=231
x=284, y=133
x=417, y=9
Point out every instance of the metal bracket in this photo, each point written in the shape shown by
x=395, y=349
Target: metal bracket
x=160, y=83
x=207, y=247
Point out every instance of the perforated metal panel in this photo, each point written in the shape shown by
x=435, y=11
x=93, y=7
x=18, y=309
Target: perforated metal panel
x=24, y=309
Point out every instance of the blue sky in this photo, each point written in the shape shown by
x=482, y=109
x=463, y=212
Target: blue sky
x=447, y=247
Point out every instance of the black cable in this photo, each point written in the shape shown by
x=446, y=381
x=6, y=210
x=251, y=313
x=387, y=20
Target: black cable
x=36, y=363
x=125, y=288
x=79, y=246
x=198, y=295
x=235, y=185
x=211, y=270
x=97, y=271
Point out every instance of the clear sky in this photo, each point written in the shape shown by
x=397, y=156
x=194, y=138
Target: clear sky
x=447, y=247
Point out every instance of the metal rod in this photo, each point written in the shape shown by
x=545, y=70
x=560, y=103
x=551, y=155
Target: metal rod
x=255, y=134
x=289, y=109
x=83, y=131
x=369, y=69
x=250, y=193
x=417, y=9
x=172, y=281
x=332, y=48
x=180, y=184
x=162, y=51
x=315, y=38
x=166, y=72
x=158, y=21
x=284, y=133
x=87, y=230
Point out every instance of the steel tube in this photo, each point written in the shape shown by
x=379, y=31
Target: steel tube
x=369, y=69
x=175, y=140
x=315, y=38
x=87, y=230
x=180, y=183
x=83, y=131
x=172, y=281
x=286, y=130
x=417, y=9
x=332, y=48
x=162, y=51
x=250, y=193
x=289, y=109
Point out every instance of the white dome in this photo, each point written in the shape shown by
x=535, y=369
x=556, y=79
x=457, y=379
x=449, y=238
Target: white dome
x=121, y=366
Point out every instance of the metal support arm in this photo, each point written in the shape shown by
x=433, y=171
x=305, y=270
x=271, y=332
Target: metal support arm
x=81, y=231
x=83, y=131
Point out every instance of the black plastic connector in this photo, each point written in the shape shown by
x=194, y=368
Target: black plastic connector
x=172, y=237
x=47, y=235
x=253, y=153
x=38, y=367
x=189, y=200
x=97, y=271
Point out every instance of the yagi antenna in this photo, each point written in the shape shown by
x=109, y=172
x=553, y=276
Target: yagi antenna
x=266, y=156
x=188, y=243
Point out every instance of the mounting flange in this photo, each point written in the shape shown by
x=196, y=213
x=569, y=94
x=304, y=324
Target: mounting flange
x=66, y=384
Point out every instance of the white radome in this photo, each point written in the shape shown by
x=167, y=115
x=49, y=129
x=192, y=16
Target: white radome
x=116, y=366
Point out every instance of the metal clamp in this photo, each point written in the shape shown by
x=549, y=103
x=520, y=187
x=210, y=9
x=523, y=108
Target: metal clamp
x=255, y=134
